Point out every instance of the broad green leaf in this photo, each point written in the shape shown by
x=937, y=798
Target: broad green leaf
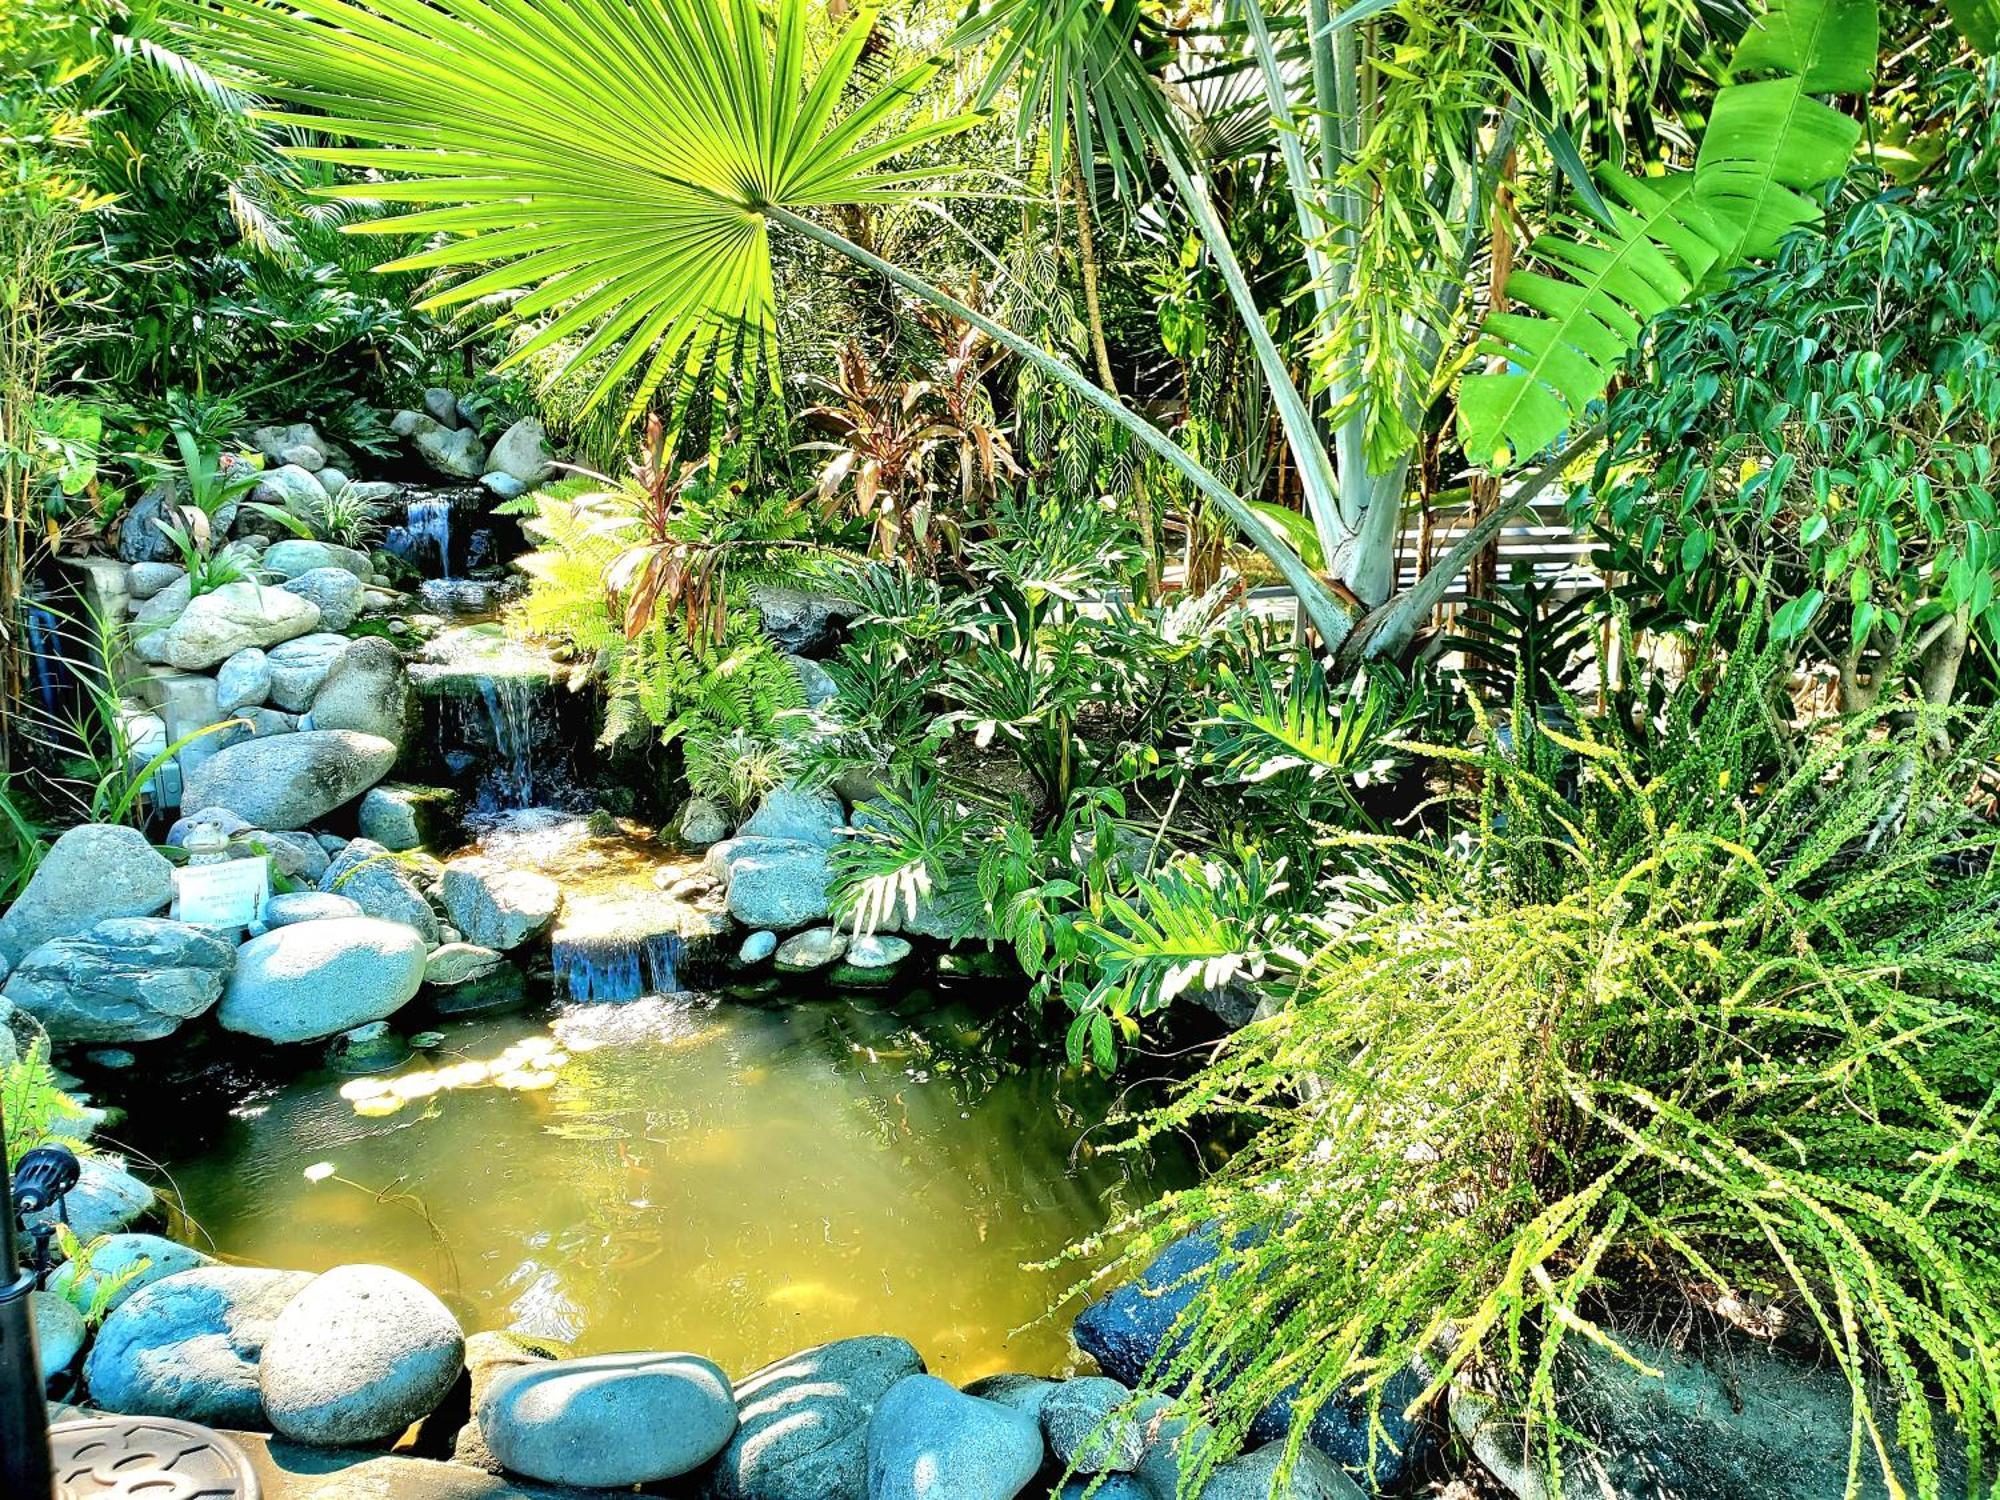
x=1768, y=146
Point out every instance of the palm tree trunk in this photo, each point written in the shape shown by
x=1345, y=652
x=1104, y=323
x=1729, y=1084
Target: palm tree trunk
x=1086, y=250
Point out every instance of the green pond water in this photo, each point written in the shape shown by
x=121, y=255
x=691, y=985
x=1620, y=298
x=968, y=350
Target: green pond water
x=727, y=1178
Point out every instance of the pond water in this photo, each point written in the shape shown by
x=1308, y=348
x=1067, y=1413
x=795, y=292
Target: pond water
x=734, y=1179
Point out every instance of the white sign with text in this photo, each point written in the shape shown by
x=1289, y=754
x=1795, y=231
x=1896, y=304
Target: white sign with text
x=231, y=894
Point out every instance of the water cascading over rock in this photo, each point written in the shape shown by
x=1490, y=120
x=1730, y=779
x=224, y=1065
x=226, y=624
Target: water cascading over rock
x=500, y=720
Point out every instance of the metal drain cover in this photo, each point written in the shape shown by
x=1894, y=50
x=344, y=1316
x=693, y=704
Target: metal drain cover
x=147, y=1458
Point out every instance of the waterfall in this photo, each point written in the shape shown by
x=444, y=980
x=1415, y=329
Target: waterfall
x=424, y=538
x=519, y=743
x=617, y=966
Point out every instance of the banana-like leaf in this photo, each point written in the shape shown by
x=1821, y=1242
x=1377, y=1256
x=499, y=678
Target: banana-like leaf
x=1768, y=146
x=607, y=165
x=1979, y=22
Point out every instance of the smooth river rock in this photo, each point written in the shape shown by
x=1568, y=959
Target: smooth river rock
x=105, y=1200
x=804, y=1432
x=522, y=453
x=357, y=1356
x=296, y=557
x=289, y=780
x=94, y=871
x=313, y=980
x=1090, y=1428
x=776, y=883
x=308, y=906
x=217, y=625
x=927, y=1441
x=298, y=668
x=609, y=1421
x=188, y=1346
x=127, y=1263
x=336, y=591
x=367, y=690
x=60, y=1333
x=380, y=883
x=244, y=681
x=497, y=907
x=128, y=979
x=792, y=812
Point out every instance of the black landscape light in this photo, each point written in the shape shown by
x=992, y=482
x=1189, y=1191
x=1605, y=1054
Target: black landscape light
x=102, y=1457
x=24, y=1420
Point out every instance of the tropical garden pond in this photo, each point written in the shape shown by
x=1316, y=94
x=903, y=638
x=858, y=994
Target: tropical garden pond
x=759, y=1177
x=962, y=749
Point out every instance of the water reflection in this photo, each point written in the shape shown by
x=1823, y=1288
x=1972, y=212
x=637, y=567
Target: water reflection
x=716, y=1177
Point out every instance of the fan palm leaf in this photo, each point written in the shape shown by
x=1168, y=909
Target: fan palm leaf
x=608, y=168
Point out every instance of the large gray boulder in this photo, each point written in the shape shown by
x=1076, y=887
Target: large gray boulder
x=124, y=1263
x=609, y=1421
x=217, y=625
x=798, y=624
x=381, y=885
x=291, y=487
x=805, y=1419
x=289, y=780
x=497, y=907
x=405, y=817
x=128, y=979
x=455, y=452
x=94, y=871
x=1725, y=1419
x=927, y=1441
x=799, y=813
x=776, y=883
x=357, y=1356
x=317, y=979
x=278, y=439
x=523, y=453
x=368, y=691
x=296, y=557
x=298, y=667
x=188, y=1346
x=337, y=592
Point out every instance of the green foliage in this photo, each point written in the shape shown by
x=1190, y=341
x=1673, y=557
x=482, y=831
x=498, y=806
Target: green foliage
x=34, y=1107
x=1694, y=1011
x=1769, y=145
x=1807, y=422
x=741, y=126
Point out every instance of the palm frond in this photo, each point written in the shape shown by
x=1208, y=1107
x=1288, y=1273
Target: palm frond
x=607, y=167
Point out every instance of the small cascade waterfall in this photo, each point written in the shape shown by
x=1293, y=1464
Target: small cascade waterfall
x=521, y=724
x=617, y=964
x=424, y=538
x=500, y=721
x=620, y=936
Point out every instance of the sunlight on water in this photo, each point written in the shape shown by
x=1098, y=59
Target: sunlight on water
x=731, y=1180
